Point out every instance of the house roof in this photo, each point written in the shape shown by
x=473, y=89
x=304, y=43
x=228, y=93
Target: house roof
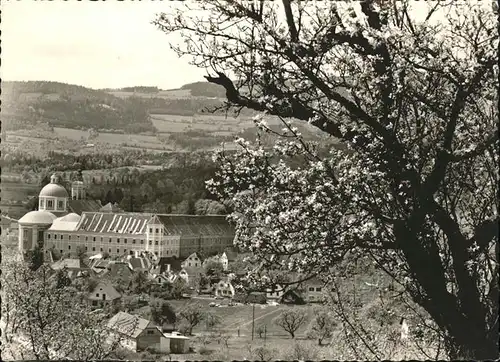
x=295, y=294
x=111, y=292
x=69, y=264
x=175, y=335
x=117, y=269
x=195, y=224
x=175, y=263
x=79, y=206
x=109, y=207
x=120, y=223
x=139, y=263
x=128, y=324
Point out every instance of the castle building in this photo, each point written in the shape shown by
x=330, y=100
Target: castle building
x=117, y=233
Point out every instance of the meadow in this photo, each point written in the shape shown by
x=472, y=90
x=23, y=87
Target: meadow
x=165, y=94
x=240, y=317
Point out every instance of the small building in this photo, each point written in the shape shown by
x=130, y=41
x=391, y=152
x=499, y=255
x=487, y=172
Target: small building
x=138, y=334
x=293, y=296
x=275, y=293
x=103, y=294
x=314, y=290
x=192, y=261
x=177, y=343
x=224, y=288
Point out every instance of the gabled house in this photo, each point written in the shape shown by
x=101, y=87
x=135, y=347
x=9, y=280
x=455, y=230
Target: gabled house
x=293, y=296
x=192, y=261
x=137, y=334
x=103, y=294
x=224, y=288
x=275, y=293
x=162, y=278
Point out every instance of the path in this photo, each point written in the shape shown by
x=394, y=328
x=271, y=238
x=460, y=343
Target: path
x=250, y=321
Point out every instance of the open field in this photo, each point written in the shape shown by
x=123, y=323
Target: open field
x=13, y=194
x=240, y=317
x=165, y=94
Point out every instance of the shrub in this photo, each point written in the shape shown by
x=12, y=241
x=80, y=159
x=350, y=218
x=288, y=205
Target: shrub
x=204, y=351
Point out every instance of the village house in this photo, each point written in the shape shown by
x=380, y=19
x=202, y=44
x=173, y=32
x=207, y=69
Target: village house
x=103, y=294
x=275, y=293
x=314, y=290
x=224, y=288
x=293, y=296
x=178, y=344
x=192, y=261
x=138, y=334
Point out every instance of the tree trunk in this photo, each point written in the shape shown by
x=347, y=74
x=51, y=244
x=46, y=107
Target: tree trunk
x=469, y=335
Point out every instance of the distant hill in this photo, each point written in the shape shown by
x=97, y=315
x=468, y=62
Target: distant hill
x=65, y=105
x=128, y=109
x=205, y=89
x=188, y=100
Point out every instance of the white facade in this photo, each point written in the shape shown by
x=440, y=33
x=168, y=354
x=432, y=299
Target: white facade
x=78, y=190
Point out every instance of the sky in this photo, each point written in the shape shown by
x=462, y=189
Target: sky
x=95, y=44
x=101, y=44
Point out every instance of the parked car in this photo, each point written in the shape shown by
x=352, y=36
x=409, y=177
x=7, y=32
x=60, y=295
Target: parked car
x=218, y=297
x=212, y=304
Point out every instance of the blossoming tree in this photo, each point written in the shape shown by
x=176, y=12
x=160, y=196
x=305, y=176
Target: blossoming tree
x=410, y=89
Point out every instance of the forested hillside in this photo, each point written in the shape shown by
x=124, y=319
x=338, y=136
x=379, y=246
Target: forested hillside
x=26, y=103
x=205, y=89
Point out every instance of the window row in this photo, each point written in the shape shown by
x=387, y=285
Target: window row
x=49, y=204
x=94, y=238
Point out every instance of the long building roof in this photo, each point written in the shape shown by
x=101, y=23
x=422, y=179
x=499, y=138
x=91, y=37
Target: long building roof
x=123, y=223
x=195, y=224
x=136, y=223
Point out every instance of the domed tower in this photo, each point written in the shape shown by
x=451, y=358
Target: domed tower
x=32, y=227
x=53, y=197
x=78, y=190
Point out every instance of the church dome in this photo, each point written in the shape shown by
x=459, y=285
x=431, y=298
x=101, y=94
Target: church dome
x=37, y=218
x=53, y=190
x=72, y=217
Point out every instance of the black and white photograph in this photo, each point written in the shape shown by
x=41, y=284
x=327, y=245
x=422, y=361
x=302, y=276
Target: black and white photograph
x=260, y=180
